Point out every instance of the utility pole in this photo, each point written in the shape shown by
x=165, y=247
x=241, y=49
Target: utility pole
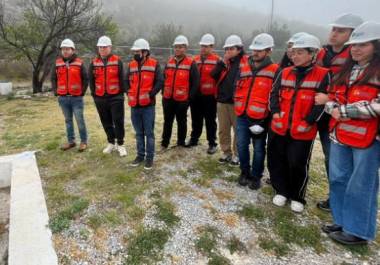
x=271, y=17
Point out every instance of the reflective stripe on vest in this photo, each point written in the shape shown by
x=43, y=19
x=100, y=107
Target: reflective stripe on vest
x=106, y=76
x=177, y=79
x=69, y=78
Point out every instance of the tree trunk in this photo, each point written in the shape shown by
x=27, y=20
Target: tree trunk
x=37, y=83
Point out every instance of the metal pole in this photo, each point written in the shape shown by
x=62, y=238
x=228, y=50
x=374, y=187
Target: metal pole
x=271, y=17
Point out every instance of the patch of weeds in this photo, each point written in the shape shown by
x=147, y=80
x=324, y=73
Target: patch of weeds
x=252, y=213
x=268, y=190
x=206, y=243
x=363, y=251
x=84, y=233
x=216, y=259
x=52, y=145
x=146, y=246
x=165, y=213
x=292, y=232
x=135, y=212
x=61, y=221
x=277, y=248
x=209, y=169
x=95, y=221
x=113, y=218
x=235, y=245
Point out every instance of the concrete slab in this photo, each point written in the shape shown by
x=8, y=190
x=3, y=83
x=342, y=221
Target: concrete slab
x=29, y=236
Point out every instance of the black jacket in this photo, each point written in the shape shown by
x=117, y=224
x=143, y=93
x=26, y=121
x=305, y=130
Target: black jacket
x=83, y=74
x=157, y=86
x=301, y=72
x=91, y=78
x=226, y=87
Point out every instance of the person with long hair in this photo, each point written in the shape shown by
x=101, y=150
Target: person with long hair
x=355, y=150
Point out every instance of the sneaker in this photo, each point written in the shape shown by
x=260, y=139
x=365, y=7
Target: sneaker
x=109, y=148
x=297, y=206
x=138, y=160
x=212, y=149
x=121, y=149
x=234, y=161
x=324, y=205
x=279, y=200
x=148, y=164
x=82, y=147
x=255, y=184
x=244, y=179
x=191, y=143
x=225, y=159
x=67, y=146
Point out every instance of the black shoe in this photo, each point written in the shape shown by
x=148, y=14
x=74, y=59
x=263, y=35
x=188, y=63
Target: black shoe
x=331, y=228
x=225, y=159
x=244, y=179
x=138, y=160
x=191, y=143
x=324, y=205
x=212, y=149
x=255, y=184
x=148, y=164
x=347, y=239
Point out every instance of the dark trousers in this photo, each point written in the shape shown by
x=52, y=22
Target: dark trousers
x=288, y=164
x=203, y=108
x=323, y=130
x=111, y=113
x=178, y=110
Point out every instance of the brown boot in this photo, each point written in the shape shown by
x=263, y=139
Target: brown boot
x=67, y=146
x=82, y=147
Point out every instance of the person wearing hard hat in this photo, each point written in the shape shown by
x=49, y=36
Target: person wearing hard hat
x=180, y=86
x=252, y=108
x=226, y=73
x=203, y=106
x=69, y=82
x=333, y=56
x=286, y=60
x=294, y=122
x=355, y=146
x=143, y=81
x=107, y=88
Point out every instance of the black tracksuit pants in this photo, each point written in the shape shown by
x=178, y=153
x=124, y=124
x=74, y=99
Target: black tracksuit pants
x=203, y=108
x=288, y=164
x=111, y=113
x=178, y=110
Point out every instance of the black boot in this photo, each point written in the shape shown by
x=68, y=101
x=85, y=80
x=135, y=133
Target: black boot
x=244, y=178
x=255, y=183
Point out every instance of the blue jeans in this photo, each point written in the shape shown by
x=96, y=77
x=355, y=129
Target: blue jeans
x=354, y=184
x=244, y=138
x=143, y=122
x=73, y=106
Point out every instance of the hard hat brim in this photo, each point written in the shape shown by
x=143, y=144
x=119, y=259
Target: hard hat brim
x=341, y=26
x=350, y=42
x=259, y=48
x=205, y=43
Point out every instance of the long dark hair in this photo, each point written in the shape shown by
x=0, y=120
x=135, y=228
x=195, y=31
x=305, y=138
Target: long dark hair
x=372, y=71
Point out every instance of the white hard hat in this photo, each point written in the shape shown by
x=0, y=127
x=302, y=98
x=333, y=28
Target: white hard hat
x=67, y=43
x=140, y=44
x=295, y=37
x=307, y=41
x=261, y=42
x=207, y=39
x=347, y=21
x=368, y=31
x=104, y=41
x=181, y=40
x=233, y=40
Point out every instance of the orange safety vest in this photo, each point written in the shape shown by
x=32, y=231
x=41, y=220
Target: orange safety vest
x=207, y=83
x=177, y=79
x=297, y=102
x=336, y=62
x=106, y=76
x=141, y=82
x=253, y=90
x=69, y=79
x=354, y=132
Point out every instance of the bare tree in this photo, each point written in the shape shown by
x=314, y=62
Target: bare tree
x=164, y=34
x=35, y=33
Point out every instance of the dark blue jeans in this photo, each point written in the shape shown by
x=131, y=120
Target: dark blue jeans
x=354, y=186
x=143, y=123
x=244, y=138
x=73, y=106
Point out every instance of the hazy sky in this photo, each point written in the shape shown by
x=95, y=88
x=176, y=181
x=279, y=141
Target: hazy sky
x=319, y=12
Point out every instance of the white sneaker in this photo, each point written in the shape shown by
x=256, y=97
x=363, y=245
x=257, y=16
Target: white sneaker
x=109, y=148
x=279, y=200
x=297, y=206
x=121, y=149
